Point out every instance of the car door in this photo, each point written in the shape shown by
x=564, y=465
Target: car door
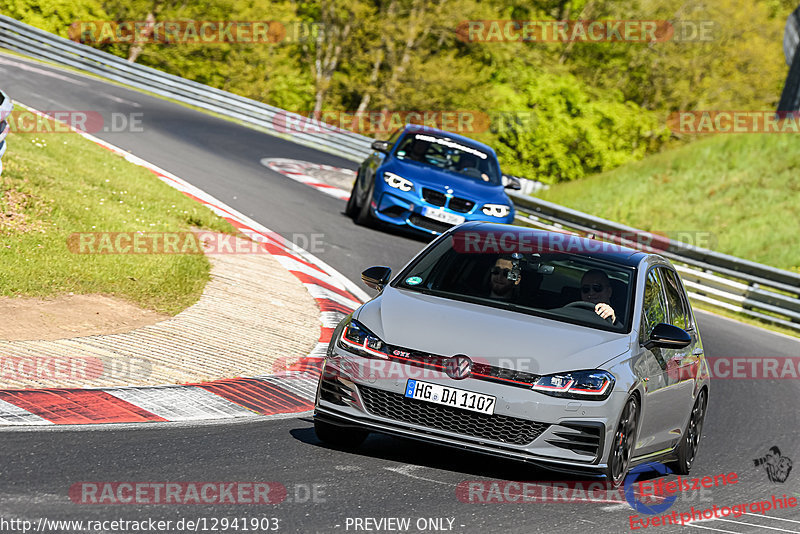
x=683, y=364
x=659, y=426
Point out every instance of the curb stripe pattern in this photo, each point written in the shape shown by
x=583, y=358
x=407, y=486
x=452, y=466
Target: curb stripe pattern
x=289, y=391
x=294, y=169
x=75, y=407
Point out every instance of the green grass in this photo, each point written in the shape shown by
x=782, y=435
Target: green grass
x=737, y=194
x=57, y=184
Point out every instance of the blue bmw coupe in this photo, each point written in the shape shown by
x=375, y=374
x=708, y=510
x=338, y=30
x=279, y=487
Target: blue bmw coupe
x=429, y=180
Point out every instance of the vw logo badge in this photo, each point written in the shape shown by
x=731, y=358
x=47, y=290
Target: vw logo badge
x=458, y=367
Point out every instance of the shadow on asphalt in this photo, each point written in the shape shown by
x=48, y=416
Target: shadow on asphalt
x=399, y=231
x=409, y=451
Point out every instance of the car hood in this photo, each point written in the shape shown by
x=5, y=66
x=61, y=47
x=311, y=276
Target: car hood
x=488, y=335
x=427, y=176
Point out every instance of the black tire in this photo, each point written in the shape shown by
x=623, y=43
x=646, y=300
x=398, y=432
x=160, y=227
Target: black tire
x=690, y=442
x=338, y=436
x=619, y=459
x=364, y=215
x=352, y=206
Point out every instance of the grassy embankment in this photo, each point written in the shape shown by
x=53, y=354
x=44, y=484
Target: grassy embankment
x=57, y=184
x=737, y=194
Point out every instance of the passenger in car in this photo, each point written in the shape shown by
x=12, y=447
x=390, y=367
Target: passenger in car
x=596, y=288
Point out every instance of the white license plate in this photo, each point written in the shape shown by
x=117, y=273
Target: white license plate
x=443, y=216
x=457, y=398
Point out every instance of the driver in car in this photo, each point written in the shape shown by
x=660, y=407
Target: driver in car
x=504, y=278
x=418, y=150
x=596, y=288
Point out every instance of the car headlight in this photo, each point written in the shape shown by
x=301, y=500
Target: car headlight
x=398, y=182
x=357, y=338
x=496, y=210
x=589, y=385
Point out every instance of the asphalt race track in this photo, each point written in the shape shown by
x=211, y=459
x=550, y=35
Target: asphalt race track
x=386, y=478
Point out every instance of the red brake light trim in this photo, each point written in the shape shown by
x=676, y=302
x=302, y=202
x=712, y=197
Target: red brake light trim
x=594, y=391
x=555, y=388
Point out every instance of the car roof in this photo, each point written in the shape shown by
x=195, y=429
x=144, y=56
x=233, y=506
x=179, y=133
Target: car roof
x=558, y=242
x=416, y=128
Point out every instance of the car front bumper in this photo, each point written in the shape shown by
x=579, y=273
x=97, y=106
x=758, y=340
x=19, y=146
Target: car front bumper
x=407, y=210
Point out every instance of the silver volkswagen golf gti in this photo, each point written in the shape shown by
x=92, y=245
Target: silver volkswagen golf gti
x=565, y=352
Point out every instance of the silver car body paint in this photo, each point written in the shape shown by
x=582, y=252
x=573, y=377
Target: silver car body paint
x=502, y=338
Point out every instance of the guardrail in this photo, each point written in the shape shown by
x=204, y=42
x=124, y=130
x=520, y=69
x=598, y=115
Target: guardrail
x=39, y=44
x=6, y=105
x=759, y=291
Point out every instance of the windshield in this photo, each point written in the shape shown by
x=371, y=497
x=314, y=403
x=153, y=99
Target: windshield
x=449, y=155
x=559, y=286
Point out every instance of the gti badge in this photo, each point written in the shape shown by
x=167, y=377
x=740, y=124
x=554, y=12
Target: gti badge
x=458, y=367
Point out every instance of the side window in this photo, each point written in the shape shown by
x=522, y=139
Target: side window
x=676, y=300
x=394, y=137
x=654, y=311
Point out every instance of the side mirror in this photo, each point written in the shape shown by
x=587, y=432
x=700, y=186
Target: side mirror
x=668, y=336
x=376, y=277
x=380, y=146
x=512, y=182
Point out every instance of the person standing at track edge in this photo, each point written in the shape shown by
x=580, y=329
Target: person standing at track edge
x=778, y=467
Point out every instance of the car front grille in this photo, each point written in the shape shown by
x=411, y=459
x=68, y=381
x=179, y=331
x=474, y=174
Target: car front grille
x=429, y=224
x=479, y=371
x=433, y=197
x=461, y=205
x=500, y=428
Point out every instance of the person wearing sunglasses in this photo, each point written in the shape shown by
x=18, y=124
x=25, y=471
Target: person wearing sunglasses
x=596, y=288
x=504, y=279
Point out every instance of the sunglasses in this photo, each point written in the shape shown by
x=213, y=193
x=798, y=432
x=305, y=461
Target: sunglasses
x=597, y=288
x=498, y=270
